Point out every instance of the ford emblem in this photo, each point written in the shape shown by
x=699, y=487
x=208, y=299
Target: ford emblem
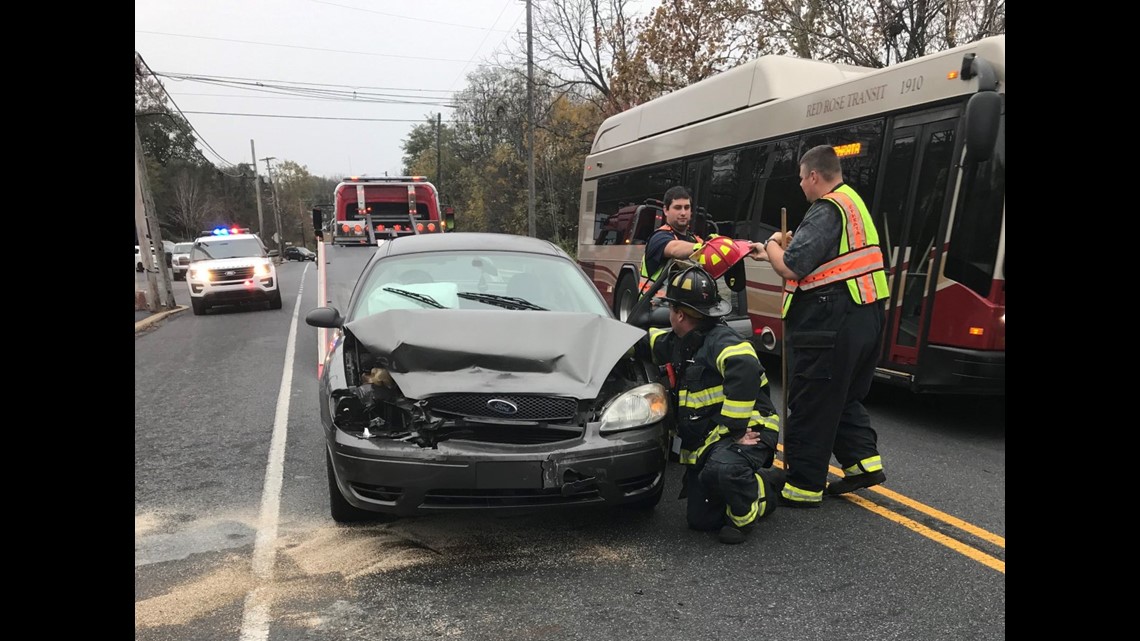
x=502, y=407
x=230, y=273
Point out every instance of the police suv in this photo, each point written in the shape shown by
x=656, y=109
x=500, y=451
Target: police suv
x=230, y=266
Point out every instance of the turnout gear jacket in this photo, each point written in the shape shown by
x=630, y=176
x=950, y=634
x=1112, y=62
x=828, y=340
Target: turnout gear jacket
x=721, y=388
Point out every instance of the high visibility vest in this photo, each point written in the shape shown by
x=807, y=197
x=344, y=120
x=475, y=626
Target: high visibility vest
x=860, y=260
x=647, y=279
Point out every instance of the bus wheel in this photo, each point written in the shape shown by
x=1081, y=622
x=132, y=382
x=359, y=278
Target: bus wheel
x=625, y=296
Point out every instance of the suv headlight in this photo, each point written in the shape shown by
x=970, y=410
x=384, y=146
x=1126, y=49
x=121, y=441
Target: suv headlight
x=638, y=407
x=199, y=273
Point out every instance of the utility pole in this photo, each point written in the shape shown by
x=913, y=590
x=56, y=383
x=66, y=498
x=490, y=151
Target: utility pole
x=257, y=190
x=438, y=161
x=276, y=207
x=530, y=124
x=148, y=229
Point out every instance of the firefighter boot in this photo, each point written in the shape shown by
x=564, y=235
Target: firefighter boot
x=853, y=482
x=731, y=535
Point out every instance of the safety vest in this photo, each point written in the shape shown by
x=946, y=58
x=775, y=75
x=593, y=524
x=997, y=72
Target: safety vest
x=647, y=280
x=860, y=260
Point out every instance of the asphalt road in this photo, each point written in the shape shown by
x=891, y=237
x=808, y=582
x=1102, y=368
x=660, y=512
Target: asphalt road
x=233, y=539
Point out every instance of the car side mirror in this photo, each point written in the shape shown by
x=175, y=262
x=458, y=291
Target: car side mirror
x=324, y=317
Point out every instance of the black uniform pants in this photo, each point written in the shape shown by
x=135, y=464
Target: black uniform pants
x=833, y=348
x=725, y=477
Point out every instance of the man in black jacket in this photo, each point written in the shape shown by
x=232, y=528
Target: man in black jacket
x=725, y=418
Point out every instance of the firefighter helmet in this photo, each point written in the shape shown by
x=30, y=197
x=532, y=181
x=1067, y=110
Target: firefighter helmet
x=695, y=289
x=723, y=256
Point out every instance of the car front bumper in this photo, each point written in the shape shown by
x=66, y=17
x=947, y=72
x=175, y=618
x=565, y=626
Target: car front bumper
x=256, y=289
x=404, y=479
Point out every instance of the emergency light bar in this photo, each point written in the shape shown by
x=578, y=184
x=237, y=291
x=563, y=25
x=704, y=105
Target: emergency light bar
x=385, y=179
x=224, y=231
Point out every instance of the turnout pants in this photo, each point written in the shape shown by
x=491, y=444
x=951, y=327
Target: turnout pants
x=833, y=347
x=733, y=484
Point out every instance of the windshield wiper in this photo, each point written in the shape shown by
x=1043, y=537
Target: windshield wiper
x=423, y=298
x=509, y=302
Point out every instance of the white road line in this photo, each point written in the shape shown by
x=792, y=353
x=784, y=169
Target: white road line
x=256, y=618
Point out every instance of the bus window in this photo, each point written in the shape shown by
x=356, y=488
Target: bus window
x=890, y=215
x=782, y=189
x=977, y=222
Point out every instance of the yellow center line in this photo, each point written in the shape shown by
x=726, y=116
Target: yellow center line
x=952, y=521
x=933, y=535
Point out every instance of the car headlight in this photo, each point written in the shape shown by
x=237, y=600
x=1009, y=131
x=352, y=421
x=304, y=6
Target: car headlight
x=638, y=407
x=261, y=269
x=197, y=273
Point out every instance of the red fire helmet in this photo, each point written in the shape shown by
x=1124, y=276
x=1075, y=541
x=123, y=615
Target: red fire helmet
x=722, y=256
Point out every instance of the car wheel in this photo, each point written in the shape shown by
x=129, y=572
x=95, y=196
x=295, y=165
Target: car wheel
x=199, y=306
x=275, y=300
x=138, y=267
x=625, y=296
x=341, y=510
x=649, y=501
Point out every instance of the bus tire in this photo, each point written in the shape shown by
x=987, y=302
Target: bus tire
x=625, y=296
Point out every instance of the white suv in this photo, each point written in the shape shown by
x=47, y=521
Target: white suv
x=231, y=268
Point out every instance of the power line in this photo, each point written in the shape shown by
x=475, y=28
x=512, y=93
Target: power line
x=179, y=110
x=480, y=47
x=324, y=94
x=272, y=44
x=186, y=76
x=228, y=113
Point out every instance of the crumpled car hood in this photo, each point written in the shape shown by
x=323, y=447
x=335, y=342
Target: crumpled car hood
x=431, y=351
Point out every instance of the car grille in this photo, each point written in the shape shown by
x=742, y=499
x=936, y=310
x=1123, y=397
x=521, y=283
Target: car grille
x=232, y=273
x=183, y=260
x=530, y=408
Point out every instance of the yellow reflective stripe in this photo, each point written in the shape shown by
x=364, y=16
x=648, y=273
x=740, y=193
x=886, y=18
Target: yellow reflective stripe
x=869, y=464
x=712, y=437
x=763, y=379
x=688, y=458
x=769, y=422
x=654, y=334
x=739, y=349
x=758, y=509
x=737, y=409
x=793, y=493
x=701, y=398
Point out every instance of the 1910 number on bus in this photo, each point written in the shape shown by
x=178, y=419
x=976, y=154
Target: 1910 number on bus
x=911, y=84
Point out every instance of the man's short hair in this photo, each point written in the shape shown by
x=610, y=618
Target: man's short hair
x=675, y=192
x=823, y=161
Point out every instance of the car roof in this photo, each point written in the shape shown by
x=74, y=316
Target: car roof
x=467, y=241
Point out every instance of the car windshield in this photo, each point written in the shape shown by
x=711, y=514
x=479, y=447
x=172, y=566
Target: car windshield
x=183, y=248
x=221, y=247
x=476, y=280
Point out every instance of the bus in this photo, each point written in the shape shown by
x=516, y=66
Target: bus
x=922, y=141
x=370, y=207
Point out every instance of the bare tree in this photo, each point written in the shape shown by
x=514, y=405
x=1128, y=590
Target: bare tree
x=192, y=205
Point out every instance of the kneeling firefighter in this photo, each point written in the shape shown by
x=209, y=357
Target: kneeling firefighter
x=725, y=419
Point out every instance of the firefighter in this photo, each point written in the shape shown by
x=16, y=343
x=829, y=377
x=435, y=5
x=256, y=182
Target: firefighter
x=725, y=419
x=833, y=318
x=674, y=239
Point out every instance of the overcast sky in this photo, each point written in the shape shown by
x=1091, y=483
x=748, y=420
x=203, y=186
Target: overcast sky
x=398, y=51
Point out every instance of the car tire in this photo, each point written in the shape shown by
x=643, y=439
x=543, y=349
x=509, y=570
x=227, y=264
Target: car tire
x=649, y=501
x=341, y=510
x=625, y=296
x=199, y=306
x=138, y=267
x=275, y=300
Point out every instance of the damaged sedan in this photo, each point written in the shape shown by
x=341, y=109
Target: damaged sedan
x=485, y=371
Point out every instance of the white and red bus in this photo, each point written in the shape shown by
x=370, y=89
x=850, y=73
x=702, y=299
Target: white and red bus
x=923, y=142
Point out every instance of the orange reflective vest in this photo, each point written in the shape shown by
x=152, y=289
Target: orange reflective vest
x=860, y=260
x=647, y=280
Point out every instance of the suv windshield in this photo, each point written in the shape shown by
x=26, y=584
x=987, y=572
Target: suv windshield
x=183, y=248
x=213, y=249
